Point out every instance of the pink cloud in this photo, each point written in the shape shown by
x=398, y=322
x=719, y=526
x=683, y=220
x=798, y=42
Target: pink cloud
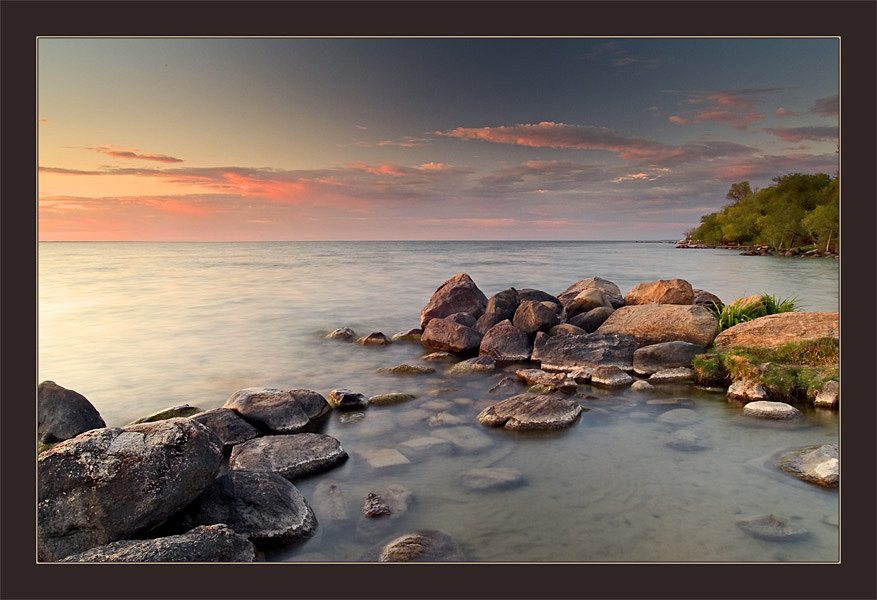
x=46, y=121
x=735, y=107
x=678, y=120
x=797, y=134
x=782, y=112
x=826, y=107
x=117, y=152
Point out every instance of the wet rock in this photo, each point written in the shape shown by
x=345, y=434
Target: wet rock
x=566, y=329
x=110, y=484
x=671, y=402
x=611, y=376
x=773, y=331
x=815, y=464
x=491, y=479
x=462, y=318
x=329, y=504
x=411, y=335
x=444, y=418
x=667, y=355
x=746, y=390
x=390, y=502
x=531, y=295
x=772, y=528
x=707, y=300
x=375, y=338
x=609, y=289
x=264, y=507
x=590, y=321
x=446, y=336
x=382, y=458
x=506, y=385
x=642, y=386
x=351, y=417
x=230, y=428
x=374, y=506
x=551, y=381
x=423, y=545
x=278, y=411
x=679, y=417
x=63, y=414
x=440, y=356
x=582, y=374
x=526, y=411
x=173, y=412
x=587, y=300
x=689, y=439
x=672, y=375
x=457, y=294
x=342, y=333
x=571, y=352
x=394, y=398
x=771, y=410
x=506, y=343
x=828, y=396
x=656, y=323
x=207, y=543
x=480, y=364
x=290, y=456
x=663, y=291
x=406, y=370
x=500, y=307
x=533, y=316
x=425, y=447
x=343, y=399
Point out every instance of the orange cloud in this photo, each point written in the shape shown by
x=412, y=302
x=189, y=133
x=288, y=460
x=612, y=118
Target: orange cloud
x=117, y=152
x=735, y=107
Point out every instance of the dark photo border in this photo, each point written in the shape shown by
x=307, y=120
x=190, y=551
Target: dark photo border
x=23, y=22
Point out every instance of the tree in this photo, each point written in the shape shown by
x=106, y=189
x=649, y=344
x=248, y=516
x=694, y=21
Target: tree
x=738, y=191
x=823, y=222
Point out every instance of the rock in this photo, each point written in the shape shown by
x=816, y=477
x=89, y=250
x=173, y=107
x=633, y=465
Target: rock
x=663, y=291
x=182, y=410
x=394, y=398
x=375, y=338
x=642, y=386
x=679, y=417
x=462, y=318
x=773, y=331
x=392, y=502
x=347, y=400
x=207, y=543
x=110, y=484
x=491, y=479
x=828, y=396
x=506, y=343
x=655, y=323
x=480, y=364
x=290, y=456
x=747, y=300
x=374, y=506
x=63, y=414
x=464, y=438
x=689, y=439
x=329, y=504
x=571, y=352
x=351, y=417
x=446, y=336
x=425, y=447
x=506, y=385
x=381, y=458
x=440, y=356
x=667, y=355
x=533, y=316
x=587, y=300
x=228, y=426
x=610, y=376
x=444, y=418
x=609, y=289
x=591, y=320
x=815, y=464
x=551, y=381
x=423, y=545
x=342, y=333
x=672, y=375
x=772, y=528
x=531, y=295
x=582, y=374
x=500, y=307
x=747, y=391
x=707, y=300
x=526, y=411
x=665, y=402
x=411, y=335
x=763, y=409
x=406, y=370
x=457, y=294
x=278, y=411
x=264, y=507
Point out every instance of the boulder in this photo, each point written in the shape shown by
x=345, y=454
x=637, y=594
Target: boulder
x=207, y=543
x=342, y=333
x=500, y=307
x=264, y=507
x=667, y=355
x=278, y=411
x=463, y=319
x=566, y=329
x=497, y=478
x=63, y=414
x=551, y=381
x=342, y=399
x=446, y=336
x=663, y=291
x=763, y=409
x=506, y=343
x=173, y=412
x=480, y=364
x=457, y=294
x=746, y=390
x=707, y=300
x=533, y=316
x=528, y=411
x=815, y=464
x=290, y=456
x=411, y=335
x=772, y=528
x=571, y=352
x=655, y=323
x=828, y=396
x=406, y=370
x=531, y=295
x=424, y=545
x=672, y=375
x=609, y=289
x=376, y=338
x=774, y=331
x=747, y=300
x=610, y=376
x=230, y=428
x=392, y=398
x=591, y=320
x=587, y=300
x=110, y=484
x=642, y=386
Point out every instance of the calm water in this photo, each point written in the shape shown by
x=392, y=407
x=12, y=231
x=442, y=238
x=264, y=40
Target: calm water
x=137, y=327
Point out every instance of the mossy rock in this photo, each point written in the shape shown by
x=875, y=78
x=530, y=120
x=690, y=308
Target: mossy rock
x=394, y=398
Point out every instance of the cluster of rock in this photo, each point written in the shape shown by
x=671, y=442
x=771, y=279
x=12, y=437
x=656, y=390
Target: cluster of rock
x=771, y=251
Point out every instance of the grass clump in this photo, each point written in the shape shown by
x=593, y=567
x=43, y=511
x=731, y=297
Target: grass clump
x=731, y=315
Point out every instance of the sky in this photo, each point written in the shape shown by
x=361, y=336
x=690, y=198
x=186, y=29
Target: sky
x=421, y=138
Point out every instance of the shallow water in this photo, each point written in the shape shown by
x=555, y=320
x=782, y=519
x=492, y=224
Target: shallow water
x=136, y=327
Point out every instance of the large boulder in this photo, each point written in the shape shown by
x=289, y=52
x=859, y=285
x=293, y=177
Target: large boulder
x=666, y=355
x=774, y=331
x=500, y=307
x=528, y=411
x=656, y=323
x=611, y=291
x=540, y=296
x=534, y=315
x=591, y=320
x=172, y=412
x=291, y=456
x=663, y=291
x=815, y=464
x=446, y=336
x=586, y=300
x=278, y=411
x=571, y=352
x=707, y=300
x=63, y=414
x=505, y=343
x=457, y=294
x=228, y=426
x=264, y=507
x=110, y=484
x=207, y=543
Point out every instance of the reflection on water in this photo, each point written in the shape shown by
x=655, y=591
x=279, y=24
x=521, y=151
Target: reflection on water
x=139, y=327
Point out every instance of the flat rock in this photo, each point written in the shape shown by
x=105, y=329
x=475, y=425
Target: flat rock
x=505, y=342
x=572, y=352
x=772, y=528
x=551, y=381
x=663, y=291
x=610, y=376
x=425, y=447
x=392, y=398
x=656, y=323
x=526, y=411
x=457, y=294
x=506, y=386
x=440, y=356
x=173, y=412
x=229, y=427
x=679, y=417
x=763, y=409
x=278, y=411
x=774, y=331
x=382, y=458
x=815, y=464
x=479, y=364
x=63, y=414
x=491, y=479
x=667, y=355
x=423, y=545
x=290, y=456
x=746, y=390
x=672, y=375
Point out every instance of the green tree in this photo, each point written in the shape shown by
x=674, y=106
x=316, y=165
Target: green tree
x=823, y=222
x=738, y=191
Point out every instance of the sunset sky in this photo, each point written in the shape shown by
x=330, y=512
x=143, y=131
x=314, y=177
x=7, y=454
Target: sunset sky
x=407, y=139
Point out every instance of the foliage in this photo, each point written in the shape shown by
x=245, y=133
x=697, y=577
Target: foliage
x=798, y=208
x=731, y=314
x=774, y=306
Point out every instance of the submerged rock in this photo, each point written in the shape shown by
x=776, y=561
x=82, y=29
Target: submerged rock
x=457, y=294
x=814, y=464
x=480, y=364
x=423, y=545
x=406, y=370
x=440, y=356
x=343, y=399
x=63, y=414
x=772, y=528
x=526, y=411
x=689, y=439
x=393, y=398
x=290, y=456
x=375, y=338
x=679, y=417
x=342, y=333
x=329, y=504
x=411, y=335
x=496, y=478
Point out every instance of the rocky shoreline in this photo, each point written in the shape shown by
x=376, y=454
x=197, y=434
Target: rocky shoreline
x=762, y=250
x=219, y=485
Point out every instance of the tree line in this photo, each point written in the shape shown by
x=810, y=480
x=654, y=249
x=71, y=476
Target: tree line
x=798, y=210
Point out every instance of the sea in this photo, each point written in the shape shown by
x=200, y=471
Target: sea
x=136, y=327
